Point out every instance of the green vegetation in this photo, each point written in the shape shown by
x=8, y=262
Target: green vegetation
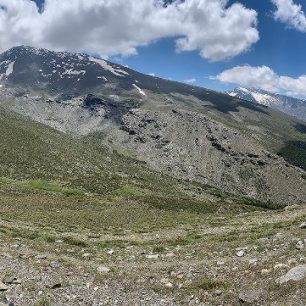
x=209, y=284
x=53, y=187
x=294, y=153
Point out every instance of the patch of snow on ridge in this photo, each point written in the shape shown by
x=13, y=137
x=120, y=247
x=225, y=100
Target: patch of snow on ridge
x=10, y=68
x=106, y=66
x=232, y=94
x=140, y=90
x=74, y=72
x=264, y=99
x=243, y=89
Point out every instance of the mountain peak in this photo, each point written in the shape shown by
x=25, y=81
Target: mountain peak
x=289, y=105
x=41, y=68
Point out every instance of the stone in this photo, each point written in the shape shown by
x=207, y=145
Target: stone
x=103, y=269
x=110, y=252
x=41, y=257
x=152, y=256
x=11, y=281
x=249, y=296
x=266, y=271
x=299, y=245
x=3, y=287
x=240, y=253
x=295, y=274
x=281, y=266
x=303, y=225
x=263, y=240
x=169, y=285
x=54, y=264
x=253, y=261
x=278, y=236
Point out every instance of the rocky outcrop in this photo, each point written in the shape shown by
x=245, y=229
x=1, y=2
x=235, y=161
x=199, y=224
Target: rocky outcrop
x=192, y=146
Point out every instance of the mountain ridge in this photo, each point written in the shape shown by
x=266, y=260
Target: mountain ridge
x=289, y=105
x=186, y=132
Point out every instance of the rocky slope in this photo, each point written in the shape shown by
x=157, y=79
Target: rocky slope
x=184, y=131
x=288, y=105
x=89, y=250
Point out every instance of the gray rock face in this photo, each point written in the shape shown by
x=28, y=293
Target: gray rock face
x=194, y=146
x=295, y=274
x=250, y=296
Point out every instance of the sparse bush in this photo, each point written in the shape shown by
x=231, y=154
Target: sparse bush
x=159, y=249
x=75, y=241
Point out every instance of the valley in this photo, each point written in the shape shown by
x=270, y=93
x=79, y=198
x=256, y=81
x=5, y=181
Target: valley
x=119, y=188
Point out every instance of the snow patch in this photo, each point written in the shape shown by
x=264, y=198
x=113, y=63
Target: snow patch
x=264, y=99
x=74, y=72
x=243, y=89
x=10, y=68
x=106, y=66
x=232, y=94
x=140, y=90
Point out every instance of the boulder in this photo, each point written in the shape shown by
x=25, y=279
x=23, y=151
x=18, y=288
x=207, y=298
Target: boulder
x=295, y=274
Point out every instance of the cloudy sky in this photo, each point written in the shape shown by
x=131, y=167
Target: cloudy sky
x=217, y=44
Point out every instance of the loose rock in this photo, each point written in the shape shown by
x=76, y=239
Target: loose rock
x=303, y=225
x=54, y=264
x=3, y=287
x=240, y=253
x=103, y=269
x=249, y=296
x=295, y=274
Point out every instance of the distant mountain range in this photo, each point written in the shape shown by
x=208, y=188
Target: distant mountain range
x=291, y=106
x=179, y=131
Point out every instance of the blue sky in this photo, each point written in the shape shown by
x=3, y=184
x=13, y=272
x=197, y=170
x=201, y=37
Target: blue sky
x=280, y=47
x=221, y=43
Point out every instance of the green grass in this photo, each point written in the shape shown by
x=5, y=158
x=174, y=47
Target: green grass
x=52, y=187
x=209, y=284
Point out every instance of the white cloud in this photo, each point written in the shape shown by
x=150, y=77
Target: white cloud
x=151, y=74
x=264, y=78
x=190, y=81
x=109, y=27
x=290, y=13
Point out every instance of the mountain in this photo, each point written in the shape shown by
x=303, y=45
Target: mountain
x=291, y=106
x=175, y=130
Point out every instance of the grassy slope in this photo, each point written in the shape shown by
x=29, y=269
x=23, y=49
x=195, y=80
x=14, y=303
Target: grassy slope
x=36, y=157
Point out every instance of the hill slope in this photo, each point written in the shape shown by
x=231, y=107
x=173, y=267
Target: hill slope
x=183, y=131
